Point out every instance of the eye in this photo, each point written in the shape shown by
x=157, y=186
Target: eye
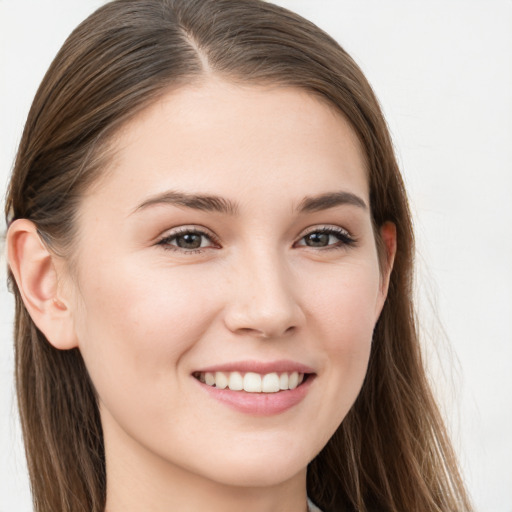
x=187, y=240
x=327, y=237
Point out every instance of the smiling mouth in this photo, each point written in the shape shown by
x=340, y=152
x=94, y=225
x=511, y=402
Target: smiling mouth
x=251, y=382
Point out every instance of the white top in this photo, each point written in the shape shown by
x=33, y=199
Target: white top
x=312, y=507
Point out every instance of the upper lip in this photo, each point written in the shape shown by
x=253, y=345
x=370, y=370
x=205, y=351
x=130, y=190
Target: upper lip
x=261, y=367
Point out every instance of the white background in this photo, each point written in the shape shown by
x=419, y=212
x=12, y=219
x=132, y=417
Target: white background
x=443, y=72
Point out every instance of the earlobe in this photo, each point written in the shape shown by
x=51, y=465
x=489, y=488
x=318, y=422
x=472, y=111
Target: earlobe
x=34, y=270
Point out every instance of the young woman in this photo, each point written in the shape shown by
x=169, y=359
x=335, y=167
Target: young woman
x=211, y=251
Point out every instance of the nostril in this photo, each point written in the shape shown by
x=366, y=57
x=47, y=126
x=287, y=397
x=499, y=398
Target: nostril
x=267, y=334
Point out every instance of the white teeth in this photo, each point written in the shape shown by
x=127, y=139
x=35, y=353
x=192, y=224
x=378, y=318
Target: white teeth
x=236, y=381
x=270, y=383
x=293, y=380
x=221, y=380
x=252, y=382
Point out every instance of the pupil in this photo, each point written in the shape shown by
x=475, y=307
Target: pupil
x=189, y=241
x=317, y=239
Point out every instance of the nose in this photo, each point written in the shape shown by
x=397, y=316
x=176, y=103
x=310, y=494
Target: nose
x=264, y=298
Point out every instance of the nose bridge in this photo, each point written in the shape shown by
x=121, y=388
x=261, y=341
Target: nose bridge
x=265, y=301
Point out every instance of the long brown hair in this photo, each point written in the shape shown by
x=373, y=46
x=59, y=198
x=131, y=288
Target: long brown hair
x=391, y=452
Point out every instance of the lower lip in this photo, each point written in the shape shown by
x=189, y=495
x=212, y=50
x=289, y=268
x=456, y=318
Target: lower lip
x=260, y=404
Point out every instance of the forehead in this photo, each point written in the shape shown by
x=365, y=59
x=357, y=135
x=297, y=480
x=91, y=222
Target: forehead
x=220, y=137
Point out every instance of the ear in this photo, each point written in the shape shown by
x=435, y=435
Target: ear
x=34, y=269
x=388, y=238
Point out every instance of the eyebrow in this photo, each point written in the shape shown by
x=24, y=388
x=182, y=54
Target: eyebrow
x=330, y=200
x=212, y=203
x=207, y=203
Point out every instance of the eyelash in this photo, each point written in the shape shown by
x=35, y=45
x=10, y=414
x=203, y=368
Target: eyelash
x=165, y=242
x=345, y=239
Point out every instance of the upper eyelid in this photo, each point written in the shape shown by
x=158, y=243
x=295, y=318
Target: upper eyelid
x=178, y=230
x=326, y=227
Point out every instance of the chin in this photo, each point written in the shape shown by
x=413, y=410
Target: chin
x=253, y=473
x=257, y=475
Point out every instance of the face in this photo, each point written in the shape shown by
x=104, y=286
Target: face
x=228, y=246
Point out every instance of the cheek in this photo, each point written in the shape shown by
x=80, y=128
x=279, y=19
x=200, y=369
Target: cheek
x=150, y=305
x=346, y=312
x=345, y=305
x=134, y=324
x=135, y=329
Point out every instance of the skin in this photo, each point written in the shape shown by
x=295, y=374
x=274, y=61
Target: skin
x=146, y=315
